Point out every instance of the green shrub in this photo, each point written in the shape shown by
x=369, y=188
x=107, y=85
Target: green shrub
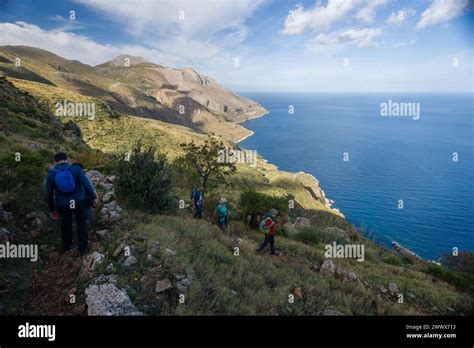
x=460, y=280
x=144, y=179
x=463, y=262
x=313, y=236
x=29, y=171
x=252, y=204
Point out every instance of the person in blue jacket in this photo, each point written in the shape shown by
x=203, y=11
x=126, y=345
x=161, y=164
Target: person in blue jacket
x=65, y=187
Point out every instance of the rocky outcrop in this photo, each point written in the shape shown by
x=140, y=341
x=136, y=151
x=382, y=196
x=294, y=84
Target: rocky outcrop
x=107, y=299
x=90, y=263
x=337, y=232
x=301, y=222
x=405, y=252
x=163, y=285
x=329, y=269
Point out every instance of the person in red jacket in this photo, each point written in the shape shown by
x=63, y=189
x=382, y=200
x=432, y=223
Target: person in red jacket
x=268, y=226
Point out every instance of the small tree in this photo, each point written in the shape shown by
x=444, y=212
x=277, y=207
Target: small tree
x=144, y=179
x=252, y=204
x=204, y=160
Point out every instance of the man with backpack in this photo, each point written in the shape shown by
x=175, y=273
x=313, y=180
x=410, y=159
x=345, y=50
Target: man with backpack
x=222, y=213
x=65, y=186
x=268, y=226
x=197, y=196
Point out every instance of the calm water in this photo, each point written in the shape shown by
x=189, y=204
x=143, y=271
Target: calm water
x=390, y=159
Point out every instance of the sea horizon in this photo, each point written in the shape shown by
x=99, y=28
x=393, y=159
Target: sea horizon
x=371, y=211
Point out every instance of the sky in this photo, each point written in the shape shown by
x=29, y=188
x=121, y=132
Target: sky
x=265, y=45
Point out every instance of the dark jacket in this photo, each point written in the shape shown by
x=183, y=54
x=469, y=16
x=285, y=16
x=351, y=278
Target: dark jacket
x=56, y=198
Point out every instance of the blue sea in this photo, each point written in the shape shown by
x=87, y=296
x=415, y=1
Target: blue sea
x=389, y=159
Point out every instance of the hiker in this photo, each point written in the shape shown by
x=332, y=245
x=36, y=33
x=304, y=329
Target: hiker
x=89, y=200
x=65, y=186
x=268, y=226
x=198, y=201
x=222, y=213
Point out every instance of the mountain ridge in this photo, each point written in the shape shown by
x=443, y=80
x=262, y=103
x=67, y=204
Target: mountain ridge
x=179, y=96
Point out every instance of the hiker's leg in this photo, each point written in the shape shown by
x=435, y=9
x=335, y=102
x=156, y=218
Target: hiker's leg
x=271, y=239
x=82, y=236
x=88, y=211
x=199, y=212
x=66, y=226
x=264, y=244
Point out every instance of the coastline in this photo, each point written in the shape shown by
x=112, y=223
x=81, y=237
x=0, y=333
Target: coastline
x=327, y=202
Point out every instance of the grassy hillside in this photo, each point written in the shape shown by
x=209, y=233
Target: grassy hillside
x=139, y=90
x=110, y=132
x=220, y=282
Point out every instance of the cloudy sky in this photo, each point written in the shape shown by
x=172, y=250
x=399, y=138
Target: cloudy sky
x=265, y=45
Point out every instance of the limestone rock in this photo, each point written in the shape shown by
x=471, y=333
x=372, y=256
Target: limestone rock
x=301, y=222
x=129, y=261
x=153, y=248
x=163, y=285
x=90, y=262
x=108, y=300
x=328, y=269
x=298, y=293
x=393, y=289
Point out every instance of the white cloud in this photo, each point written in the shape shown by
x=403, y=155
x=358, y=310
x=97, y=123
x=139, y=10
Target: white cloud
x=441, y=11
x=70, y=45
x=363, y=37
x=188, y=30
x=300, y=20
x=404, y=43
x=186, y=18
x=401, y=16
x=369, y=11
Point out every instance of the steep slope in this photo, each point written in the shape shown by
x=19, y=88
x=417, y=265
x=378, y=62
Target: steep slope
x=187, y=256
x=141, y=89
x=167, y=84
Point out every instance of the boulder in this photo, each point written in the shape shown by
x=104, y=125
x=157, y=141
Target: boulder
x=298, y=293
x=129, y=261
x=180, y=276
x=301, y=222
x=163, y=285
x=108, y=197
x=382, y=289
x=118, y=250
x=108, y=300
x=335, y=231
x=103, y=233
x=393, y=289
x=90, y=262
x=110, y=268
x=153, y=248
x=328, y=269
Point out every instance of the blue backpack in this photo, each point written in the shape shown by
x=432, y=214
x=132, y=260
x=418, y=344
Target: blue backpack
x=64, y=180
